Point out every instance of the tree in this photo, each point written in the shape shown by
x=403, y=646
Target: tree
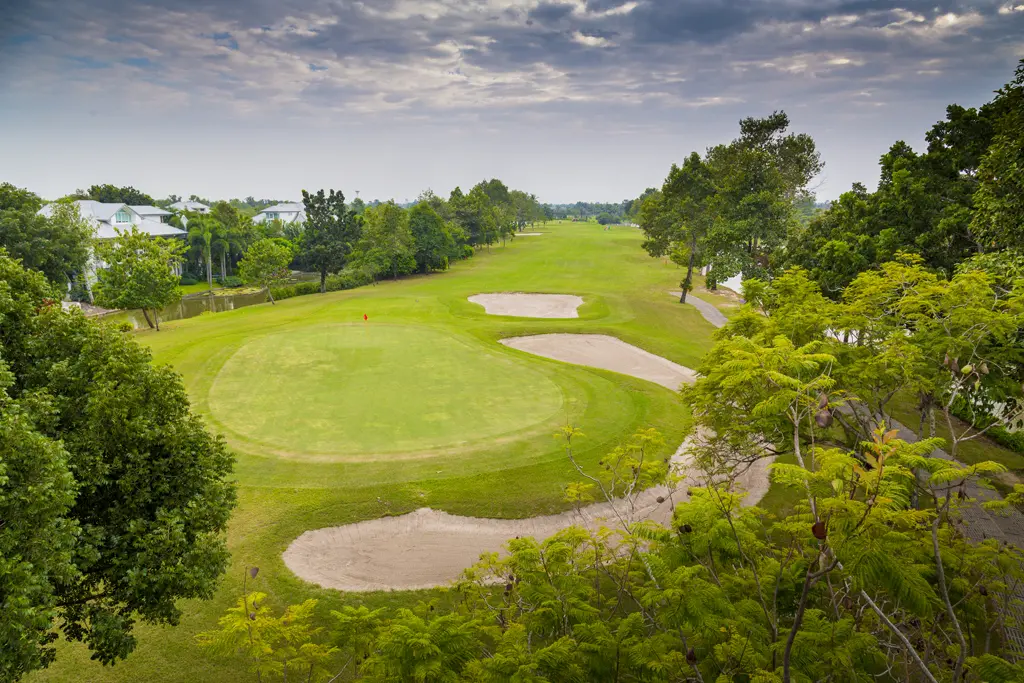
x=266, y=263
x=387, y=237
x=433, y=242
x=204, y=231
x=119, y=495
x=1000, y=198
x=676, y=221
x=759, y=177
x=56, y=245
x=138, y=273
x=330, y=234
x=111, y=194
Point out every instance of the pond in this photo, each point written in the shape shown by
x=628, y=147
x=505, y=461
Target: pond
x=195, y=304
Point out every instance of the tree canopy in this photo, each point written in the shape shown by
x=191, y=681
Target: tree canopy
x=55, y=245
x=114, y=498
x=112, y=194
x=331, y=232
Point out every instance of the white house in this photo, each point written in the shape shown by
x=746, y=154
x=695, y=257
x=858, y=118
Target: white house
x=198, y=207
x=107, y=218
x=286, y=213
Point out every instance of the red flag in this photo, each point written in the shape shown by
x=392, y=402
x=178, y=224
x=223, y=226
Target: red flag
x=365, y=317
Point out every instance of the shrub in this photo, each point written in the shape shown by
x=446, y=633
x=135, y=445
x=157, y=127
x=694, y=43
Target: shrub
x=284, y=292
x=303, y=288
x=348, y=279
x=187, y=280
x=230, y=281
x=467, y=251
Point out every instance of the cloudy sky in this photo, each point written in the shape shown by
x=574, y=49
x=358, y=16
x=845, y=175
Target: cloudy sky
x=569, y=99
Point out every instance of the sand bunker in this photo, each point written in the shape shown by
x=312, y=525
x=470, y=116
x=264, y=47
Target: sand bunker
x=429, y=548
x=708, y=310
x=521, y=305
x=606, y=353
x=528, y=234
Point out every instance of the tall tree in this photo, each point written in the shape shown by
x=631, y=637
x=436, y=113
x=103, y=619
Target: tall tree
x=386, y=235
x=759, y=177
x=433, y=243
x=204, y=231
x=56, y=245
x=677, y=220
x=266, y=263
x=999, y=219
x=138, y=273
x=114, y=498
x=331, y=232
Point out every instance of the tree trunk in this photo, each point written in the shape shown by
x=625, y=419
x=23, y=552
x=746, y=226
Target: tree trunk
x=223, y=266
x=688, y=282
x=323, y=280
x=270, y=294
x=146, y=316
x=209, y=270
x=156, y=319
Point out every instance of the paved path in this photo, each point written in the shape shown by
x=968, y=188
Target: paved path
x=980, y=524
x=706, y=309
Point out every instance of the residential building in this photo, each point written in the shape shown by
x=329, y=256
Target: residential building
x=286, y=213
x=107, y=218
x=198, y=207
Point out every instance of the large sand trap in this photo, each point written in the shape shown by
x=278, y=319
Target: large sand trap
x=606, y=353
x=521, y=305
x=706, y=309
x=528, y=234
x=429, y=548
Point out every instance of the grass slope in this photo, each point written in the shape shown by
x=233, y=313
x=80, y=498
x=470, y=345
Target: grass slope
x=511, y=467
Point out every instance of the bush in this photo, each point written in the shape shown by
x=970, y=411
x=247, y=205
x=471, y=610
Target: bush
x=303, y=288
x=230, y=281
x=348, y=279
x=187, y=280
x=283, y=292
x=467, y=251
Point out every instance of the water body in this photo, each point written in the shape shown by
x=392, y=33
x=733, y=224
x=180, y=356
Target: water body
x=191, y=306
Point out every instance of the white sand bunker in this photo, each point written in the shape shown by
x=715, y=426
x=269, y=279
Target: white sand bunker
x=522, y=305
x=428, y=548
x=528, y=234
x=606, y=353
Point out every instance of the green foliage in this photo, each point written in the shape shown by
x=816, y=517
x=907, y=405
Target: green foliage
x=186, y=280
x=330, y=234
x=434, y=244
x=1000, y=196
x=56, y=245
x=138, y=273
x=114, y=497
x=266, y=263
x=388, y=245
x=112, y=194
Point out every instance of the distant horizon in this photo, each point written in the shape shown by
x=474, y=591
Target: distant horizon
x=565, y=99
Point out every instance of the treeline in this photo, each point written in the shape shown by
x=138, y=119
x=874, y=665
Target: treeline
x=745, y=207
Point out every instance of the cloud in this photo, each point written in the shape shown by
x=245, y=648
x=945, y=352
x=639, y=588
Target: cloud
x=319, y=58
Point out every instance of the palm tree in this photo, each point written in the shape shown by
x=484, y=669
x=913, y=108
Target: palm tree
x=201, y=232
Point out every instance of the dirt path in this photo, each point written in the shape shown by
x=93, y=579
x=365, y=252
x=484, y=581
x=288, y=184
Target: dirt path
x=522, y=305
x=429, y=548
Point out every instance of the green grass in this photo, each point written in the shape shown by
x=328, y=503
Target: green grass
x=393, y=399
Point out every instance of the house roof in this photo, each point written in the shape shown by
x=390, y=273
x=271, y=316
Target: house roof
x=188, y=206
x=290, y=207
x=88, y=208
x=152, y=228
x=147, y=210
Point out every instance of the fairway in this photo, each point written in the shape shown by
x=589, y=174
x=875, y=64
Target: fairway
x=365, y=391
x=335, y=419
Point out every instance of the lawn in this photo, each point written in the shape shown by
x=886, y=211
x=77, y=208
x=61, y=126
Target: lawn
x=336, y=419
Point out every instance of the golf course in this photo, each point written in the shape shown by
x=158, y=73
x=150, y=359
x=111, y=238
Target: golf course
x=352, y=406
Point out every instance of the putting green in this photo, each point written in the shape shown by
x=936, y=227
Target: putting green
x=372, y=391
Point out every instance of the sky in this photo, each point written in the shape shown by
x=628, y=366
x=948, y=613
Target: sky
x=571, y=100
